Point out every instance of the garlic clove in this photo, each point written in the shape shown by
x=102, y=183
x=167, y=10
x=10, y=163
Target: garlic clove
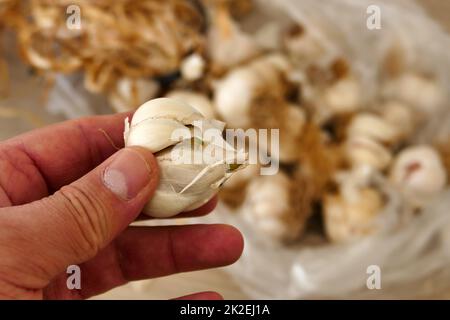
x=419, y=172
x=155, y=135
x=364, y=151
x=373, y=127
x=193, y=67
x=199, y=101
x=165, y=108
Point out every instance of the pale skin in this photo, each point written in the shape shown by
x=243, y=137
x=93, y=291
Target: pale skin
x=55, y=211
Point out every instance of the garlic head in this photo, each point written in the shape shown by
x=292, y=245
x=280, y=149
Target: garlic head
x=193, y=165
x=419, y=172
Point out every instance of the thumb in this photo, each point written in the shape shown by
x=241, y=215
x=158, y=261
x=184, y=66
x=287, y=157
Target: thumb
x=72, y=225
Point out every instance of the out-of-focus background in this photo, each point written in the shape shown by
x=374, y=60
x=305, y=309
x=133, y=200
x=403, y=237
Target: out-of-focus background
x=33, y=93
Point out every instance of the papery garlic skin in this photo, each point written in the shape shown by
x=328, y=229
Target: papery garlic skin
x=199, y=101
x=419, y=172
x=183, y=185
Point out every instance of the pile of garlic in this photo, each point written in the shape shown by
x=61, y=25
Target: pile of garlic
x=338, y=151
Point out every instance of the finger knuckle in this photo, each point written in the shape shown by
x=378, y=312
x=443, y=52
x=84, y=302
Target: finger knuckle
x=88, y=219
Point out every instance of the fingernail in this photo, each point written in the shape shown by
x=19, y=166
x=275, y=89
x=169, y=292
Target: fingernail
x=128, y=174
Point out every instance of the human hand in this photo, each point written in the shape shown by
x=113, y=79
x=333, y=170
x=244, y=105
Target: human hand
x=67, y=197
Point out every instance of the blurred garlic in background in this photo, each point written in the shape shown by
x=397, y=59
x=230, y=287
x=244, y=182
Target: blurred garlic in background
x=301, y=45
x=235, y=93
x=365, y=151
x=270, y=208
x=131, y=93
x=193, y=67
x=234, y=190
x=227, y=44
x=348, y=217
x=419, y=173
x=373, y=127
x=343, y=96
x=423, y=93
x=401, y=116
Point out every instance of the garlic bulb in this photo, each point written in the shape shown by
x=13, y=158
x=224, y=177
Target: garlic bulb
x=130, y=94
x=268, y=208
x=193, y=165
x=234, y=94
x=199, y=101
x=290, y=131
x=373, y=127
x=302, y=45
x=401, y=116
x=343, y=96
x=227, y=44
x=348, y=218
x=419, y=172
x=365, y=151
x=192, y=67
x=424, y=94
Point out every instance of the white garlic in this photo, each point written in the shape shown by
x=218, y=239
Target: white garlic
x=373, y=127
x=348, y=218
x=401, y=116
x=365, y=151
x=184, y=183
x=343, y=96
x=424, y=94
x=199, y=101
x=234, y=93
x=130, y=94
x=268, y=208
x=227, y=44
x=419, y=172
x=295, y=120
x=302, y=45
x=192, y=67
